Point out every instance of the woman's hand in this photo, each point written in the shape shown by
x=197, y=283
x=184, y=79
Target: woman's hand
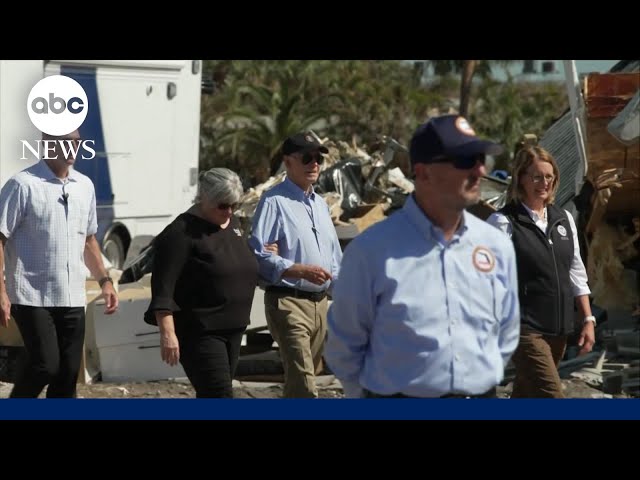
x=169, y=348
x=587, y=338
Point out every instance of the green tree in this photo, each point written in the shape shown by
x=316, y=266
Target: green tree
x=504, y=111
x=256, y=104
x=467, y=69
x=269, y=103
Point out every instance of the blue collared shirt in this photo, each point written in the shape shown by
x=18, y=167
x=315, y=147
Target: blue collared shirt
x=301, y=225
x=415, y=314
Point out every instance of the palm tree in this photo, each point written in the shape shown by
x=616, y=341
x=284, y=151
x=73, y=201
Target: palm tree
x=467, y=69
x=261, y=116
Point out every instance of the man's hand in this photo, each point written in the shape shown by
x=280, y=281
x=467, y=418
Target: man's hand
x=311, y=273
x=587, y=338
x=110, y=298
x=271, y=248
x=5, y=309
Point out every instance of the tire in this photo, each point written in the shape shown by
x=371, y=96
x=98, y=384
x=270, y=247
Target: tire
x=113, y=249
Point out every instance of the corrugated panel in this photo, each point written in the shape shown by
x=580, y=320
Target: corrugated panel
x=560, y=141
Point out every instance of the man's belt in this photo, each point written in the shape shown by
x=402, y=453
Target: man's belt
x=491, y=393
x=294, y=292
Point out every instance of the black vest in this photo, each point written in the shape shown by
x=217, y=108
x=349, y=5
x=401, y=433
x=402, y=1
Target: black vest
x=544, y=261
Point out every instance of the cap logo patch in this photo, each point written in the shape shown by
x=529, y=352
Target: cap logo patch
x=463, y=126
x=483, y=259
x=308, y=138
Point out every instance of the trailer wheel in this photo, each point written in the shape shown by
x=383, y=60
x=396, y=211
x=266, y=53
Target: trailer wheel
x=113, y=248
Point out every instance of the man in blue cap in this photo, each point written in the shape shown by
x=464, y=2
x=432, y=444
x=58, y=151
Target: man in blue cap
x=427, y=300
x=299, y=277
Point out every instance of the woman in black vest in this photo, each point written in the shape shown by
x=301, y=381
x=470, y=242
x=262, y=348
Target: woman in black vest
x=551, y=274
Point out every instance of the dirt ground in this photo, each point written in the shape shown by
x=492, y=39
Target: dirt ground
x=266, y=388
x=245, y=388
x=181, y=388
x=260, y=376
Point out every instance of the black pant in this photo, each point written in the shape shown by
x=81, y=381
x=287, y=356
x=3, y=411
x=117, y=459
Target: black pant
x=209, y=359
x=53, y=338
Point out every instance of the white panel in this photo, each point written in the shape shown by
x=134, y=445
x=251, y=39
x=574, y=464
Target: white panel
x=136, y=363
x=151, y=64
x=258, y=318
x=126, y=325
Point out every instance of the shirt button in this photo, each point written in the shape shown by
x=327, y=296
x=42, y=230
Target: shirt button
x=453, y=321
x=458, y=357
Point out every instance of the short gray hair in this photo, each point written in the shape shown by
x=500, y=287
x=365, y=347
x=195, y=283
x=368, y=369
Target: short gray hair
x=219, y=185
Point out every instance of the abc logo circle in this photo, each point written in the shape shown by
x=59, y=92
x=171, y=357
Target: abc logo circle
x=57, y=105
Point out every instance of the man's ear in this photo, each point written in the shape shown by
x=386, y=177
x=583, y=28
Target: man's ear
x=286, y=159
x=421, y=172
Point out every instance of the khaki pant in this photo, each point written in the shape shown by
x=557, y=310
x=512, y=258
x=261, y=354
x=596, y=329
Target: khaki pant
x=536, y=360
x=299, y=326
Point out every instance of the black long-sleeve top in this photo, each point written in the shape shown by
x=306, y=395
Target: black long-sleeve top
x=203, y=274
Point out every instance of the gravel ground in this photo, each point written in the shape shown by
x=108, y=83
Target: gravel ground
x=259, y=375
x=328, y=387
x=266, y=388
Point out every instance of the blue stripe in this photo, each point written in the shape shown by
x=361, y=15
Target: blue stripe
x=321, y=409
x=97, y=169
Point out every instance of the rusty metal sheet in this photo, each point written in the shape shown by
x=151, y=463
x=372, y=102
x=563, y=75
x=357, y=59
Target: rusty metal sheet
x=606, y=94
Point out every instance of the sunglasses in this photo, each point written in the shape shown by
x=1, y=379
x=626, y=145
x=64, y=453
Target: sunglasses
x=309, y=157
x=461, y=163
x=227, y=206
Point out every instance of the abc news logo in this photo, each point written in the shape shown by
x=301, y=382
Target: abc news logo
x=57, y=106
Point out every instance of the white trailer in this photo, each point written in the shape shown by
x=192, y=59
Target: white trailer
x=144, y=117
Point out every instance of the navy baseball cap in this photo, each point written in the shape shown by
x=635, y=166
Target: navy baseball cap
x=448, y=136
x=302, y=142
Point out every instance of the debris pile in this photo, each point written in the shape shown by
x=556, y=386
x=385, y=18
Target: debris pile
x=362, y=187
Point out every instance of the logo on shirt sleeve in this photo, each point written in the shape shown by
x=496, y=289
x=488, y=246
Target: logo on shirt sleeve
x=483, y=259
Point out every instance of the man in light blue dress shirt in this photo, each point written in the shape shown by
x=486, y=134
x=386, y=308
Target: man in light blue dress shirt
x=300, y=275
x=427, y=300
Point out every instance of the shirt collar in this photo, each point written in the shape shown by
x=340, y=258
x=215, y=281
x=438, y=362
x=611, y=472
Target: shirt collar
x=534, y=216
x=426, y=226
x=47, y=174
x=297, y=191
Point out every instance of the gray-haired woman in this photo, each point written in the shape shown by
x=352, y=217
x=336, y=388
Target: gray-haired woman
x=203, y=280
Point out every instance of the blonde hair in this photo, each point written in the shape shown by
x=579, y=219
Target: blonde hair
x=522, y=161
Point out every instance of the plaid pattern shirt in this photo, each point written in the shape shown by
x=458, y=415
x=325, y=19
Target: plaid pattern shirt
x=46, y=221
